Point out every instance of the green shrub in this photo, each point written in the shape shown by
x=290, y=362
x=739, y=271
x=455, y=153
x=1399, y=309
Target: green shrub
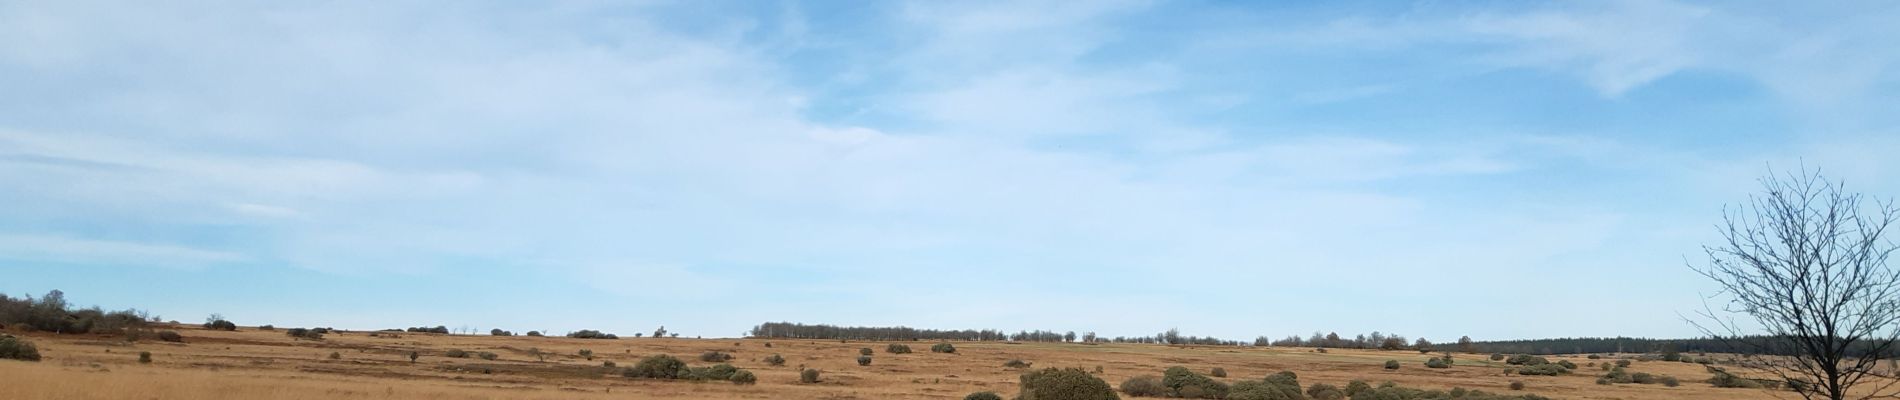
x=455, y=353
x=1603, y=381
x=1643, y=378
x=1183, y=383
x=1217, y=372
x=897, y=349
x=1356, y=386
x=302, y=333
x=1526, y=359
x=1543, y=369
x=487, y=356
x=588, y=354
x=943, y=348
x=13, y=348
x=587, y=334
x=1623, y=363
x=1284, y=385
x=983, y=396
x=1595, y=357
x=808, y=376
x=715, y=372
x=743, y=377
x=170, y=336
x=1497, y=357
x=336, y=355
x=1517, y=385
x=1144, y=386
x=1064, y=384
x=1391, y=364
x=864, y=351
x=1671, y=381
x=534, y=333
x=715, y=356
x=266, y=327
x=145, y=357
x=775, y=360
x=1436, y=363
x=1018, y=364
x=659, y=367
x=1566, y=364
x=1322, y=391
x=864, y=360
x=608, y=364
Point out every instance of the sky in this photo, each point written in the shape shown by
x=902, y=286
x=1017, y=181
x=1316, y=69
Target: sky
x=1434, y=169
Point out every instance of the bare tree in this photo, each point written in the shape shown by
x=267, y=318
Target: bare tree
x=1806, y=261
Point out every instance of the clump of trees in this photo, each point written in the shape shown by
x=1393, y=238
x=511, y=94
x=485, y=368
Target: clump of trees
x=591, y=334
x=217, y=322
x=438, y=329
x=1063, y=384
x=13, y=348
x=499, y=332
x=51, y=313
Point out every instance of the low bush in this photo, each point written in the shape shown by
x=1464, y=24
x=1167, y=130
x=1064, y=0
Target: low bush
x=1642, y=378
x=1217, y=372
x=608, y=364
x=1391, y=364
x=658, y=367
x=897, y=349
x=1279, y=386
x=534, y=333
x=1144, y=386
x=301, y=333
x=590, y=334
x=1543, y=370
x=1566, y=364
x=266, y=327
x=1497, y=356
x=715, y=356
x=1595, y=357
x=1019, y=364
x=775, y=360
x=1526, y=359
x=1436, y=363
x=13, y=348
x=170, y=336
x=715, y=372
x=943, y=348
x=1671, y=381
x=743, y=377
x=455, y=353
x=336, y=355
x=585, y=353
x=1183, y=383
x=865, y=351
x=1723, y=379
x=487, y=356
x=145, y=357
x=1322, y=391
x=1355, y=386
x=1517, y=385
x=499, y=332
x=808, y=376
x=983, y=396
x=1391, y=391
x=864, y=360
x=1623, y=363
x=438, y=329
x=1063, y=384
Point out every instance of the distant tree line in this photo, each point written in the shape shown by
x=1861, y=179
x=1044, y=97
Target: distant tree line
x=791, y=330
x=1662, y=346
x=51, y=313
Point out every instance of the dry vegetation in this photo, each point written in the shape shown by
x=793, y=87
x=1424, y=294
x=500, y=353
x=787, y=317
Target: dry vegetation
x=258, y=364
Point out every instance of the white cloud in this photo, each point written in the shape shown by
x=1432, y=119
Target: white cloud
x=70, y=250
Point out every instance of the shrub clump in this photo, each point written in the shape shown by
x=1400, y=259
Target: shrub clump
x=1437, y=363
x=1723, y=379
x=1018, y=364
x=808, y=376
x=1322, y=391
x=1526, y=359
x=1283, y=385
x=1391, y=364
x=715, y=356
x=943, y=348
x=897, y=349
x=1183, y=383
x=301, y=333
x=14, y=348
x=589, y=334
x=1566, y=364
x=744, y=377
x=775, y=360
x=1543, y=369
x=145, y=357
x=1217, y=372
x=1517, y=385
x=983, y=396
x=170, y=336
x=658, y=367
x=487, y=356
x=864, y=360
x=1064, y=384
x=220, y=325
x=1144, y=386
x=1497, y=356
x=1356, y=386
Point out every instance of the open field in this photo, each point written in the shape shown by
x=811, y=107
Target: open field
x=255, y=364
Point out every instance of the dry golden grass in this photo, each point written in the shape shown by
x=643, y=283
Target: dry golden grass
x=252, y=364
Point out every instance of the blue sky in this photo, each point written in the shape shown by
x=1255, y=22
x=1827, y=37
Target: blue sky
x=1494, y=169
